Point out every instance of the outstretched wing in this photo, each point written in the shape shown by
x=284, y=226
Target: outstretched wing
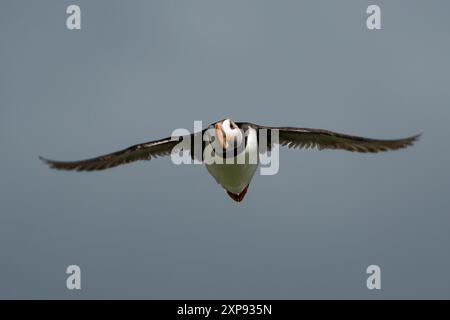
x=143, y=151
x=323, y=139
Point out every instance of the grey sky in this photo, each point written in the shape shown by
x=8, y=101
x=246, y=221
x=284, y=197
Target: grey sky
x=140, y=69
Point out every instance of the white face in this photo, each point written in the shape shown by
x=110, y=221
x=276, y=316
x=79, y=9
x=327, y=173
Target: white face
x=230, y=134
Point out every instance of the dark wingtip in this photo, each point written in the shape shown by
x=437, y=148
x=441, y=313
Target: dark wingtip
x=416, y=137
x=48, y=162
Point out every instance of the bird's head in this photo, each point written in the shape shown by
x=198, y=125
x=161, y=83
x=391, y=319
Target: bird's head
x=228, y=134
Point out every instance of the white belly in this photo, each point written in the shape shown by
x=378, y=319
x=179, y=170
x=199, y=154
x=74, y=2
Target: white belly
x=235, y=177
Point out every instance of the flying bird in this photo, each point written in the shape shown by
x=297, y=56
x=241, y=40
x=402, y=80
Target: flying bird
x=224, y=144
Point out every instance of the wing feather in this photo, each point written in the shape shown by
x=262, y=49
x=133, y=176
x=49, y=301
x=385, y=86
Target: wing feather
x=143, y=151
x=307, y=138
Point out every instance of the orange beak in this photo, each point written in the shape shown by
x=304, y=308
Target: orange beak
x=220, y=135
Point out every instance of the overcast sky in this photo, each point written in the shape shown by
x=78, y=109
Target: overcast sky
x=137, y=70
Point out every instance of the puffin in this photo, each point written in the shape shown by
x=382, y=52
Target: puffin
x=231, y=150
